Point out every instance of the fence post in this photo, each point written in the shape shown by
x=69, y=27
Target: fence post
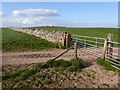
x=109, y=45
x=68, y=39
x=85, y=42
x=96, y=44
x=104, y=49
x=75, y=48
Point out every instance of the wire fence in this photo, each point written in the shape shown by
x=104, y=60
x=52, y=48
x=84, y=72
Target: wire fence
x=97, y=47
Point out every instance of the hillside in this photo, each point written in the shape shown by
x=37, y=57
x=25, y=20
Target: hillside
x=17, y=41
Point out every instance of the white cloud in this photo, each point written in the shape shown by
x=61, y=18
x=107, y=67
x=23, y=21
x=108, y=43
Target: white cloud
x=47, y=21
x=35, y=13
x=27, y=22
x=43, y=17
x=1, y=13
x=40, y=21
x=30, y=17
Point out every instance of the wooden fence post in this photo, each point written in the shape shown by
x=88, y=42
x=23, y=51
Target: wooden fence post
x=109, y=45
x=104, y=49
x=75, y=48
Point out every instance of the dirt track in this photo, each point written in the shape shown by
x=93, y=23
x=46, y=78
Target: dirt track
x=100, y=78
x=17, y=58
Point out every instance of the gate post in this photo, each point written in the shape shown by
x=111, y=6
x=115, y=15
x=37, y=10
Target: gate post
x=104, y=49
x=75, y=48
x=68, y=39
x=109, y=45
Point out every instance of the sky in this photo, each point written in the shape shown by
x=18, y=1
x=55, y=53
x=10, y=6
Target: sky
x=68, y=14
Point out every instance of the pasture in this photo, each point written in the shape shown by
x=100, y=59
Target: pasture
x=17, y=41
x=94, y=32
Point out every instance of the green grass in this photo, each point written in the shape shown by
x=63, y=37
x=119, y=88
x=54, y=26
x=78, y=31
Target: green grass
x=12, y=75
x=18, y=41
x=106, y=65
x=24, y=75
x=20, y=74
x=57, y=63
x=71, y=66
x=94, y=32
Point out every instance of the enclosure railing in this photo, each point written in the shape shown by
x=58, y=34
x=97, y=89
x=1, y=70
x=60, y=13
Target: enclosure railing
x=93, y=45
x=99, y=47
x=113, y=56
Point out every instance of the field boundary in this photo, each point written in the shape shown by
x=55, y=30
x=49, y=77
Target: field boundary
x=61, y=38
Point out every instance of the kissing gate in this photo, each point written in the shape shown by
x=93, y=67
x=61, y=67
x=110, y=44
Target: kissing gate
x=99, y=47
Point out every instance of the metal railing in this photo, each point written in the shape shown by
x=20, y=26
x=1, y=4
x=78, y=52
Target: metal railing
x=95, y=47
x=113, y=57
x=91, y=44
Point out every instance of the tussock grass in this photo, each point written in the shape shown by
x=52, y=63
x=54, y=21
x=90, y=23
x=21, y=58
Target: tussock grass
x=72, y=65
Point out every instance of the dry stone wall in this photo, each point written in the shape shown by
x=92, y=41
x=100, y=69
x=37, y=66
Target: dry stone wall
x=60, y=37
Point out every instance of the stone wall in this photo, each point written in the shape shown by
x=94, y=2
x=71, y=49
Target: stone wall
x=60, y=37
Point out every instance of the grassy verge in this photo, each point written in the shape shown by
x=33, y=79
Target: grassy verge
x=43, y=75
x=73, y=65
x=106, y=65
x=70, y=66
x=18, y=41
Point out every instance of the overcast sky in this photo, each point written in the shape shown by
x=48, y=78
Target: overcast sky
x=69, y=14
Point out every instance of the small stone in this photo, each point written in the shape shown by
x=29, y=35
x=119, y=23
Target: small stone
x=95, y=86
x=75, y=84
x=93, y=82
x=75, y=78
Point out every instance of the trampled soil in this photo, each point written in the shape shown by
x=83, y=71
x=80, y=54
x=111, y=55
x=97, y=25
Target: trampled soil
x=93, y=76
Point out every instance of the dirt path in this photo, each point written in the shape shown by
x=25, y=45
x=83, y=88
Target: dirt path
x=17, y=58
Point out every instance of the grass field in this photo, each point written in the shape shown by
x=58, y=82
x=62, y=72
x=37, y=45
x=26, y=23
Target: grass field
x=17, y=41
x=95, y=32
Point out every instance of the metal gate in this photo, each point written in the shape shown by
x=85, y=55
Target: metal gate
x=99, y=48
x=92, y=45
